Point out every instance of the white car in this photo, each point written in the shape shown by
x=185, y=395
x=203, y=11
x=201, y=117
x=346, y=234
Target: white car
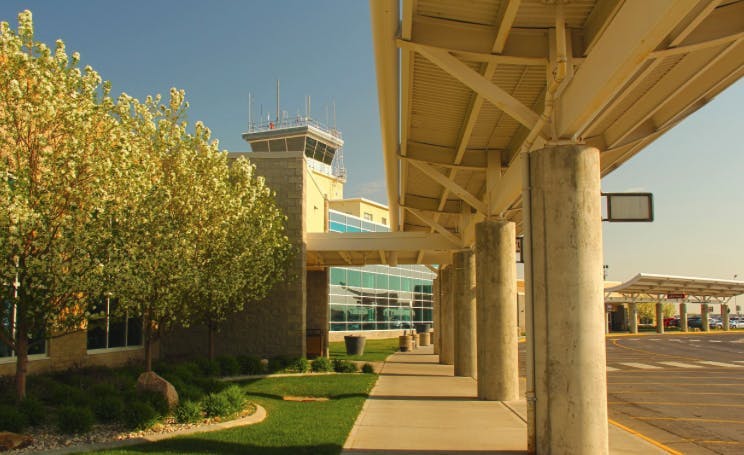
x=736, y=323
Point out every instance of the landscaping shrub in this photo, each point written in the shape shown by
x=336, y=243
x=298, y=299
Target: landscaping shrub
x=104, y=389
x=209, y=367
x=299, y=365
x=225, y=403
x=216, y=404
x=139, y=415
x=368, y=368
x=34, y=410
x=11, y=419
x=186, y=390
x=344, y=366
x=156, y=400
x=229, y=365
x=322, y=364
x=60, y=394
x=250, y=364
x=74, y=419
x=108, y=408
x=279, y=363
x=188, y=412
x=208, y=385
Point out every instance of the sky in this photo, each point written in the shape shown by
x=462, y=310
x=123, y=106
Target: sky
x=219, y=51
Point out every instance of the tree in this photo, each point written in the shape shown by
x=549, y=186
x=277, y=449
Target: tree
x=647, y=312
x=58, y=145
x=242, y=251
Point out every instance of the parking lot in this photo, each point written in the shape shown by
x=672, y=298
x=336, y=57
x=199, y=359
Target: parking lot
x=685, y=391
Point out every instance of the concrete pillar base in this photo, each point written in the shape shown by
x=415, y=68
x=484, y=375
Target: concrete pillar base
x=465, y=322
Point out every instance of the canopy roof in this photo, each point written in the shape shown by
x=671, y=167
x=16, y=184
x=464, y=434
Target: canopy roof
x=466, y=88
x=666, y=285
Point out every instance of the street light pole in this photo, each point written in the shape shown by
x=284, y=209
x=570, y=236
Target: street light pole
x=738, y=313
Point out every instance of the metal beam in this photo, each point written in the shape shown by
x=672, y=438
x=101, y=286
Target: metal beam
x=376, y=241
x=437, y=227
x=479, y=84
x=456, y=189
x=614, y=60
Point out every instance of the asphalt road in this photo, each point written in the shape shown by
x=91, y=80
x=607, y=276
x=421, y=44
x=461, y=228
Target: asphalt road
x=685, y=391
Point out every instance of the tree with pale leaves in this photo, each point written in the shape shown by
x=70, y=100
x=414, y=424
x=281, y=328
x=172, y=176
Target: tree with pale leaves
x=58, y=148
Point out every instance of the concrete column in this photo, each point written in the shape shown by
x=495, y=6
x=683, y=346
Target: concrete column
x=683, y=317
x=659, y=317
x=565, y=231
x=465, y=321
x=725, y=316
x=633, y=317
x=496, y=311
x=446, y=332
x=704, y=317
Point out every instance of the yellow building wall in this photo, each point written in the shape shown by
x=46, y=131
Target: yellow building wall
x=319, y=188
x=359, y=206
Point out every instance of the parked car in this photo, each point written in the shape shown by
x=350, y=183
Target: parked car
x=715, y=323
x=671, y=322
x=696, y=322
x=736, y=323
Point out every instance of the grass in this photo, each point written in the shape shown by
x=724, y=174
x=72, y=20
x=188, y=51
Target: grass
x=374, y=350
x=291, y=427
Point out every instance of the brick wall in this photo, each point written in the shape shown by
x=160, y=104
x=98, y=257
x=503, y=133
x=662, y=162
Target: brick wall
x=277, y=324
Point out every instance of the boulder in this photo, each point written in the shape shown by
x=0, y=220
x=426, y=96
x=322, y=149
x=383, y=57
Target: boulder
x=150, y=381
x=10, y=441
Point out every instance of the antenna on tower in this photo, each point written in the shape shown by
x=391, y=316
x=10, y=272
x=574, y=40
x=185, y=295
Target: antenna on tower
x=334, y=113
x=277, y=101
x=250, y=113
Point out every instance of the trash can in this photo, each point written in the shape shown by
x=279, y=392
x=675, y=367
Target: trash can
x=354, y=344
x=406, y=343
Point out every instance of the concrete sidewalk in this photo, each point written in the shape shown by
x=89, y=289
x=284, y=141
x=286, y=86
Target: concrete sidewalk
x=419, y=407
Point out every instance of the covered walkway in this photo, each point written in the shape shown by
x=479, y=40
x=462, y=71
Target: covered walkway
x=419, y=407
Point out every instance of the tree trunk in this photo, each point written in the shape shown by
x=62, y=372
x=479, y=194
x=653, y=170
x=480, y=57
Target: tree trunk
x=148, y=341
x=21, y=350
x=212, y=330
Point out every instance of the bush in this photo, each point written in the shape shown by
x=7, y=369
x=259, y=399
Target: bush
x=216, y=404
x=108, y=408
x=279, y=363
x=322, y=364
x=34, y=410
x=226, y=403
x=104, y=389
x=368, y=368
x=300, y=365
x=188, y=412
x=156, y=400
x=74, y=419
x=208, y=385
x=344, y=366
x=209, y=367
x=11, y=419
x=187, y=391
x=250, y=364
x=229, y=365
x=139, y=415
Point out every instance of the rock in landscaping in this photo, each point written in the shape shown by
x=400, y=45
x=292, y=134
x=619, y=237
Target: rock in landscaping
x=10, y=441
x=150, y=381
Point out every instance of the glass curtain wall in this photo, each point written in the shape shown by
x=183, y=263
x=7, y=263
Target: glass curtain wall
x=377, y=297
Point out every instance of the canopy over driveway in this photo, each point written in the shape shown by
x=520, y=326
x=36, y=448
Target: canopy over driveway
x=668, y=287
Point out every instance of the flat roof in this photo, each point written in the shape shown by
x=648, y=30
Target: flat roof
x=652, y=284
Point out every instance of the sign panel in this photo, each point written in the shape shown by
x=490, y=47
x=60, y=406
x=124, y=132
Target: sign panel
x=629, y=207
x=520, y=254
x=673, y=295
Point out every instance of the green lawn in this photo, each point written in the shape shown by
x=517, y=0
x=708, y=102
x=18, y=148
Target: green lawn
x=291, y=427
x=374, y=350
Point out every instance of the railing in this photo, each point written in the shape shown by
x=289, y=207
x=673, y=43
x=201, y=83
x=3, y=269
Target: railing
x=254, y=127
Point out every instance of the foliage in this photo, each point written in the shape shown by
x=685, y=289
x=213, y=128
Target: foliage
x=344, y=366
x=139, y=415
x=229, y=365
x=188, y=412
x=33, y=409
x=12, y=419
x=278, y=363
x=59, y=149
x=299, y=365
x=74, y=419
x=647, y=312
x=250, y=364
x=368, y=368
x=209, y=367
x=108, y=407
x=216, y=404
x=322, y=364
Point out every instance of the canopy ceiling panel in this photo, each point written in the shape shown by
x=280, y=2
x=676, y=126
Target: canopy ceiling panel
x=467, y=88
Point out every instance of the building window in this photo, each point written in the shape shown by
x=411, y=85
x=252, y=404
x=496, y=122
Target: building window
x=37, y=342
x=367, y=216
x=107, y=330
x=384, y=221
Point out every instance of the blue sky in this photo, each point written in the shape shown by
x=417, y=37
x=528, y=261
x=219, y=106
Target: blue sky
x=220, y=50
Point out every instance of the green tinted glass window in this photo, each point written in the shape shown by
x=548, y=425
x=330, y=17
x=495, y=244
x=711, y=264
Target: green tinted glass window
x=355, y=278
x=338, y=276
x=368, y=279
